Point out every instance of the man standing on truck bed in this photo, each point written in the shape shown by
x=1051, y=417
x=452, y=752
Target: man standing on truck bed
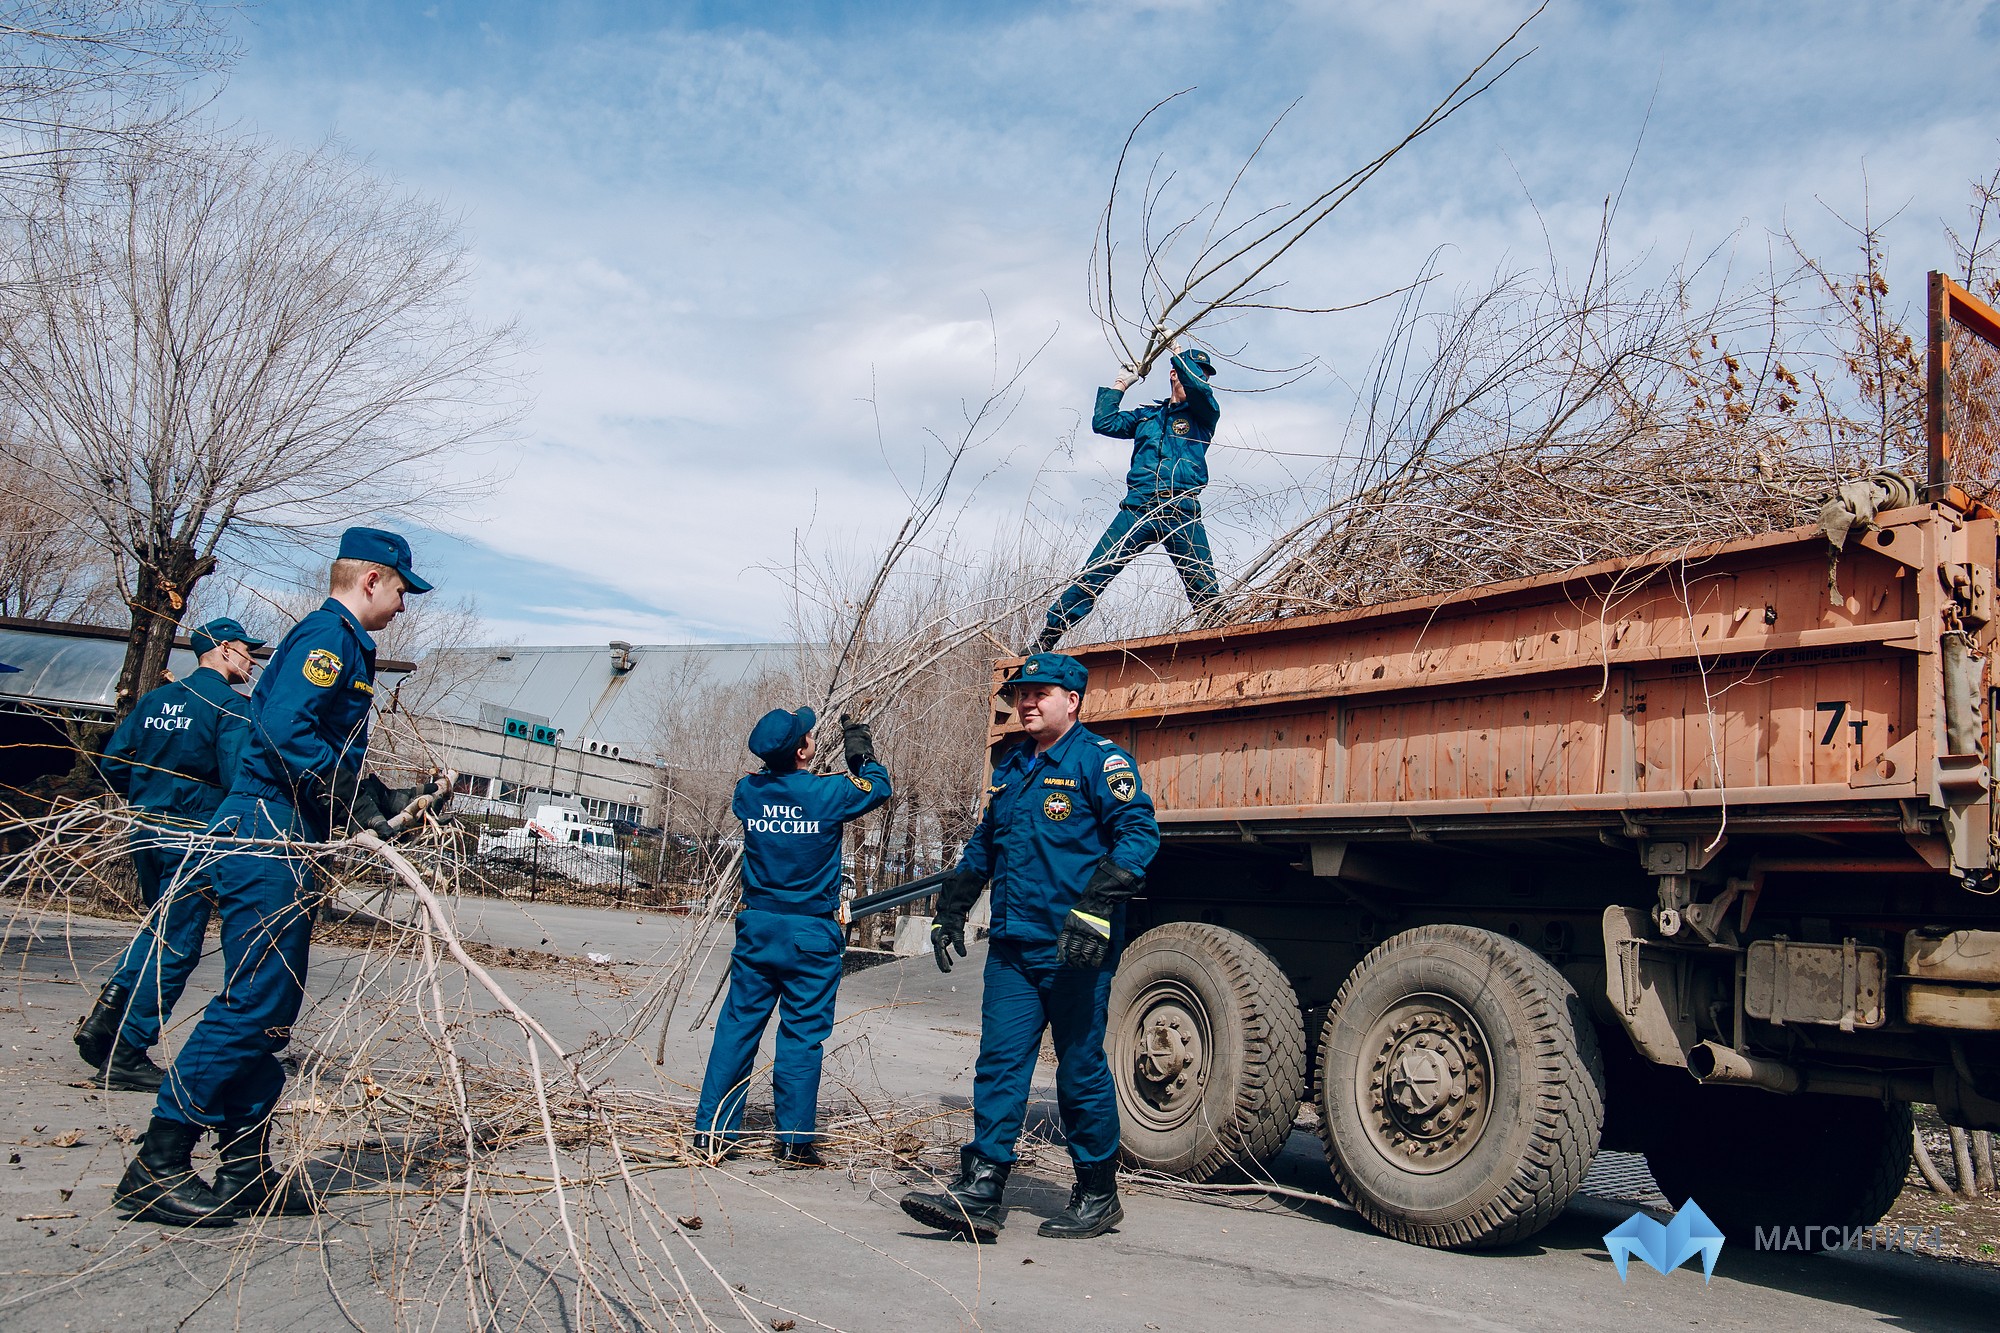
x=1162, y=489
x=173, y=758
x=1065, y=840
x=789, y=938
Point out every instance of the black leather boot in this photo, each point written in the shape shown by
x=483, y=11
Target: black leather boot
x=248, y=1184
x=1093, y=1204
x=799, y=1154
x=970, y=1206
x=714, y=1147
x=129, y=1070
x=97, y=1031
x=160, y=1184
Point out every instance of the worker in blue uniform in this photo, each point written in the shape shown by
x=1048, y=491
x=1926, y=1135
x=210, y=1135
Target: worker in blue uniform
x=172, y=758
x=299, y=779
x=1162, y=501
x=1065, y=841
x=789, y=938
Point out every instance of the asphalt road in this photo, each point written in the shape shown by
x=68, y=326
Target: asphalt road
x=832, y=1245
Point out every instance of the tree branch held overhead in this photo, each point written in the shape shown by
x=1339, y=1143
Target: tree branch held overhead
x=1232, y=267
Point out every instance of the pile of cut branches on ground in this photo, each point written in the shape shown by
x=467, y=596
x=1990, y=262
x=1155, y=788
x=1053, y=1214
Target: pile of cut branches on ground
x=432, y=1098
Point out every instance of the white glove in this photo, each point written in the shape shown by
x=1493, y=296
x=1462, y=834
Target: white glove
x=1126, y=378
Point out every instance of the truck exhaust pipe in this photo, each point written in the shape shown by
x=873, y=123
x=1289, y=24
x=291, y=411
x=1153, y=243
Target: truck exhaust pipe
x=1713, y=1063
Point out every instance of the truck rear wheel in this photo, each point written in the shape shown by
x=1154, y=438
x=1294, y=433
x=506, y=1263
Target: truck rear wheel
x=1461, y=1089
x=1755, y=1160
x=1207, y=1049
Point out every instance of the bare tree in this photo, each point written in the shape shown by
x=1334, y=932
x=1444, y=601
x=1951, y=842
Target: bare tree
x=244, y=347
x=1220, y=261
x=80, y=76
x=45, y=573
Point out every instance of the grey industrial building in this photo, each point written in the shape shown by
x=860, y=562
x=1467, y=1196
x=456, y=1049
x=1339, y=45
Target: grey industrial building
x=577, y=725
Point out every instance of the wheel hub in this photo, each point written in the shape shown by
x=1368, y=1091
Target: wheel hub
x=1425, y=1097
x=1167, y=1053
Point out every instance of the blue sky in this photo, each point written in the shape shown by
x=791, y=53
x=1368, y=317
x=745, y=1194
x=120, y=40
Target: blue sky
x=723, y=229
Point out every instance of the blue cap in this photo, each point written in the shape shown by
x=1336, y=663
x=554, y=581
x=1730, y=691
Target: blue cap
x=1199, y=359
x=779, y=732
x=1050, y=669
x=221, y=630
x=384, y=548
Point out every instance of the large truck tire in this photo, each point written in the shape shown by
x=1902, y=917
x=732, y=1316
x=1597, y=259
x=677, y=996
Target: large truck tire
x=1208, y=1051
x=1753, y=1160
x=1461, y=1091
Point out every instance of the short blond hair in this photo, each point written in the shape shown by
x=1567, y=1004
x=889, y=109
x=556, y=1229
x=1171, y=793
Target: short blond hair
x=347, y=574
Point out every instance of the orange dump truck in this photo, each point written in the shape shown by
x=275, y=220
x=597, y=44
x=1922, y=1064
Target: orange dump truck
x=1691, y=855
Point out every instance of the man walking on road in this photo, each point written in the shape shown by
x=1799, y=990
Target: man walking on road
x=1162, y=500
x=1066, y=839
x=789, y=939
x=299, y=779
x=173, y=758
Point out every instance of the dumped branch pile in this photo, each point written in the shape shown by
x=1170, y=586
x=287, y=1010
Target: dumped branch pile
x=1531, y=427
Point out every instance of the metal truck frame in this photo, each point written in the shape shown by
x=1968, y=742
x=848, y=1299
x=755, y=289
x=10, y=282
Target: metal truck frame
x=1692, y=855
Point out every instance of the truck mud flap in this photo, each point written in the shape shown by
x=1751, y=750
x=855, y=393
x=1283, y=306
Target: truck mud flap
x=1647, y=988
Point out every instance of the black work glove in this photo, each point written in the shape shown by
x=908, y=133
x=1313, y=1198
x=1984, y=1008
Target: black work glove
x=859, y=742
x=955, y=901
x=392, y=801
x=355, y=802
x=1086, y=934
x=367, y=803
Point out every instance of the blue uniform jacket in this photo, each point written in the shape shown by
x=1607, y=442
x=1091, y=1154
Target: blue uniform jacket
x=309, y=713
x=1169, y=440
x=174, y=755
x=1049, y=820
x=791, y=835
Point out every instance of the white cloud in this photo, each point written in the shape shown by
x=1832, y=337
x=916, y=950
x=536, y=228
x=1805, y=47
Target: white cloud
x=719, y=243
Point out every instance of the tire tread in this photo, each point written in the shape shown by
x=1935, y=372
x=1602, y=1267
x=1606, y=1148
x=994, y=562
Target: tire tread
x=1274, y=1073
x=1567, y=1100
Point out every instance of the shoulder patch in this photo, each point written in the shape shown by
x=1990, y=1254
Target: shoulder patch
x=1123, y=785
x=322, y=667
x=861, y=782
x=1114, y=762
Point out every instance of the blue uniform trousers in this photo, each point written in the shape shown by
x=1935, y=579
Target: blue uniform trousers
x=1175, y=525
x=1028, y=990
x=156, y=965
x=228, y=1072
x=778, y=957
